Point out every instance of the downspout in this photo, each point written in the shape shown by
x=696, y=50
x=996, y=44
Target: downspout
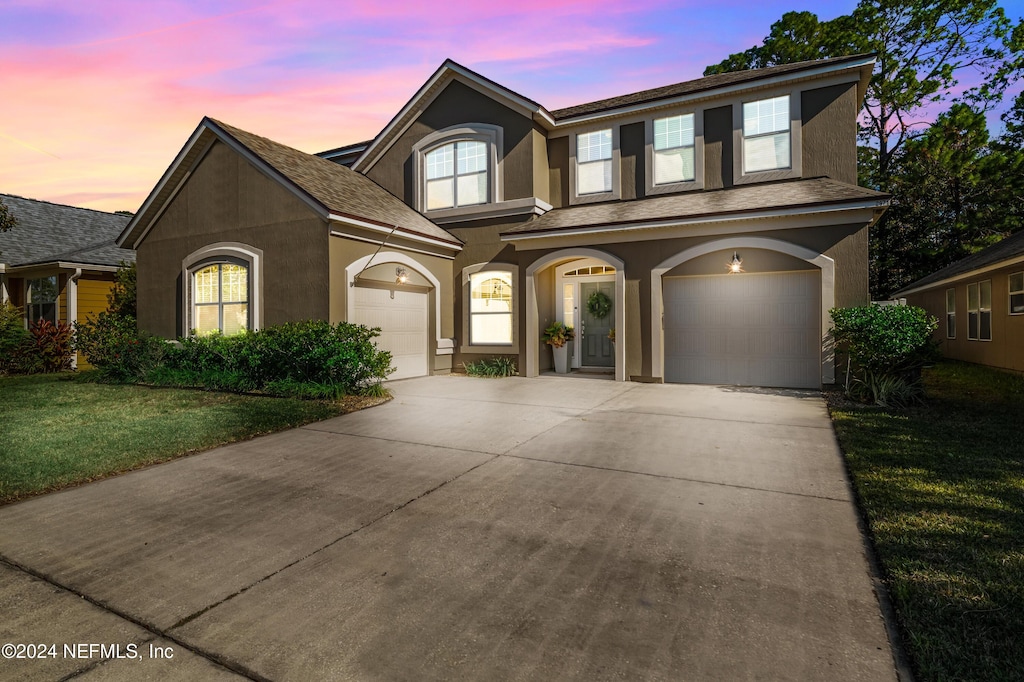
x=72, y=294
x=4, y=296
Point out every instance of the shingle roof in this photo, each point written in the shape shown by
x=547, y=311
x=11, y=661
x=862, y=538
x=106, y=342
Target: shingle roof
x=793, y=194
x=337, y=188
x=1010, y=247
x=48, y=232
x=697, y=85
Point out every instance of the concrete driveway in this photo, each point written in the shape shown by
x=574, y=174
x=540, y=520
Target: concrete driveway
x=527, y=529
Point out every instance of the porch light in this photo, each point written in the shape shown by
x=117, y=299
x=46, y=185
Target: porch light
x=737, y=263
x=401, y=276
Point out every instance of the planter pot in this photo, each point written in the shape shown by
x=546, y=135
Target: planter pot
x=561, y=359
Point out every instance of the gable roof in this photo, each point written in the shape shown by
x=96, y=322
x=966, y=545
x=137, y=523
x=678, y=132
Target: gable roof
x=332, y=190
x=48, y=233
x=709, y=83
x=708, y=86
x=736, y=203
x=1010, y=249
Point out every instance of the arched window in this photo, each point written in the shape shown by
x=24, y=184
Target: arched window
x=220, y=298
x=457, y=175
x=222, y=289
x=458, y=167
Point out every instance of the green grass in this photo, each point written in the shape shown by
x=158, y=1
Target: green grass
x=942, y=488
x=56, y=432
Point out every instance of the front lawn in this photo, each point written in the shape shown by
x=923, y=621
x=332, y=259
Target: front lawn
x=942, y=488
x=56, y=431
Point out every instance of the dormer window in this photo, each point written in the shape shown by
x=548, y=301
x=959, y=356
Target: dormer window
x=766, y=135
x=457, y=175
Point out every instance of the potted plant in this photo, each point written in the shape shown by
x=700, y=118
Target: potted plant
x=558, y=337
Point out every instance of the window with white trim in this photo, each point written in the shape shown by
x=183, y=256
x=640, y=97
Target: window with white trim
x=950, y=313
x=220, y=298
x=674, y=149
x=979, y=311
x=766, y=135
x=1017, y=293
x=594, y=162
x=490, y=307
x=41, y=299
x=457, y=175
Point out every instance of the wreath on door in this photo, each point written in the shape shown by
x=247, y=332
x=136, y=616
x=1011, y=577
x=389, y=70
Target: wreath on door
x=599, y=305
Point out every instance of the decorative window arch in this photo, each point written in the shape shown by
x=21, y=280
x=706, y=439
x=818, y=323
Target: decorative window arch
x=457, y=167
x=222, y=289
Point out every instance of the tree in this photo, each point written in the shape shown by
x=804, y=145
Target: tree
x=121, y=299
x=955, y=191
x=7, y=219
x=922, y=47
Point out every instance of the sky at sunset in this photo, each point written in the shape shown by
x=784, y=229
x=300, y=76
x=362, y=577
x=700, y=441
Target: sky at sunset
x=100, y=95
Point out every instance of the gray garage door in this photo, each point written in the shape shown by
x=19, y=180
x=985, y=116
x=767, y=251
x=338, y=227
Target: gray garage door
x=746, y=329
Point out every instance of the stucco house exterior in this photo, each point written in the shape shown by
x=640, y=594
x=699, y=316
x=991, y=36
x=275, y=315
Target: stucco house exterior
x=979, y=302
x=58, y=264
x=714, y=222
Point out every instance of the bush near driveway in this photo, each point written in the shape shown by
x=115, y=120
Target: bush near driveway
x=942, y=489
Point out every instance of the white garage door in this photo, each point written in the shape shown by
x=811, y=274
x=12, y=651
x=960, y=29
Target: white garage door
x=747, y=330
x=403, y=324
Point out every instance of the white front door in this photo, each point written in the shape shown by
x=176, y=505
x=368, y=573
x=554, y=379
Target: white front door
x=402, y=318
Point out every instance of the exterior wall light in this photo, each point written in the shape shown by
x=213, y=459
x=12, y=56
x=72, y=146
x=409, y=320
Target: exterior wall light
x=737, y=263
x=401, y=276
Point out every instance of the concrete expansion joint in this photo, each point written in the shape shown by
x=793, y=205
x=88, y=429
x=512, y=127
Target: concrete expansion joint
x=157, y=632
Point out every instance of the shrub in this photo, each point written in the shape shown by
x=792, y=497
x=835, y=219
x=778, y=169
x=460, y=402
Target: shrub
x=889, y=345
x=121, y=299
x=113, y=344
x=331, y=359
x=502, y=366
x=49, y=348
x=12, y=335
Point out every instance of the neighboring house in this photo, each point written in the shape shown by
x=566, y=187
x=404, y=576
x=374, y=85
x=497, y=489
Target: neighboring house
x=477, y=217
x=979, y=302
x=58, y=263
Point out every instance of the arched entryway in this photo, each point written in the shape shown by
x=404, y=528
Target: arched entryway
x=582, y=270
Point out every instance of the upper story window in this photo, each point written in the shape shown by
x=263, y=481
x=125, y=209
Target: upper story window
x=1017, y=293
x=457, y=175
x=41, y=299
x=674, y=150
x=220, y=299
x=767, y=139
x=458, y=168
x=766, y=135
x=594, y=162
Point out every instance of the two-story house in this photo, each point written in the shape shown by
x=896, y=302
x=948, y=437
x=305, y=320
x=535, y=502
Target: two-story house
x=698, y=232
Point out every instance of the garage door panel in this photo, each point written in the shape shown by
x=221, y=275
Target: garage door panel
x=403, y=322
x=758, y=329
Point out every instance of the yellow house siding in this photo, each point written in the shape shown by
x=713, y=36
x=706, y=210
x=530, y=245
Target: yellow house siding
x=92, y=300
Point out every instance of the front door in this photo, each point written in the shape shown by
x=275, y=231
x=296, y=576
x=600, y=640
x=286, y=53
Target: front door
x=596, y=348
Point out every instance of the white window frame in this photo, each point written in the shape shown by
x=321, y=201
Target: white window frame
x=615, y=192
x=1014, y=292
x=467, y=272
x=795, y=169
x=972, y=333
x=491, y=135
x=651, y=187
x=223, y=252
x=951, y=313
